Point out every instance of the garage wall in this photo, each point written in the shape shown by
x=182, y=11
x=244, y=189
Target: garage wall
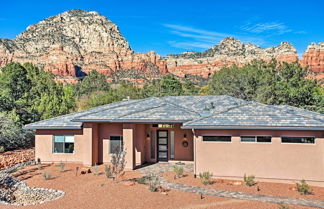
x=274, y=161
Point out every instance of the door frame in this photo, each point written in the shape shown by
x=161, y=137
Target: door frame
x=157, y=146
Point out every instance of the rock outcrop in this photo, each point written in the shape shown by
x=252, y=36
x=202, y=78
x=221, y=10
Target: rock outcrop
x=73, y=43
x=228, y=52
x=313, y=57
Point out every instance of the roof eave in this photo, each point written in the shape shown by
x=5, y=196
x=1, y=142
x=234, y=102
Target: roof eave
x=256, y=127
x=52, y=127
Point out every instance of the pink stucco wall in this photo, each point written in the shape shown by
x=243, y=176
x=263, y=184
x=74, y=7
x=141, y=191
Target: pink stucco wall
x=44, y=146
x=272, y=161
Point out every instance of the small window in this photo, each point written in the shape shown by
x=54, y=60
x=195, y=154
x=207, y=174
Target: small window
x=63, y=144
x=298, y=140
x=116, y=144
x=217, y=138
x=264, y=139
x=259, y=139
x=248, y=138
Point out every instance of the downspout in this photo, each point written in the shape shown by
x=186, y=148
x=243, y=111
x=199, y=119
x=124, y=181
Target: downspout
x=194, y=141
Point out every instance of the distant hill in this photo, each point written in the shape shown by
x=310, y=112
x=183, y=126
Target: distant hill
x=75, y=42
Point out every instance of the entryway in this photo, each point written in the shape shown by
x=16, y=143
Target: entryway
x=162, y=145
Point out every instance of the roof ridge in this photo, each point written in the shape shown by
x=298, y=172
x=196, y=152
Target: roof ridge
x=215, y=113
x=160, y=105
x=134, y=101
x=186, y=109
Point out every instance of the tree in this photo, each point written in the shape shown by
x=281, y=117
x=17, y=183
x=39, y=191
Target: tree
x=11, y=134
x=14, y=88
x=92, y=83
x=269, y=83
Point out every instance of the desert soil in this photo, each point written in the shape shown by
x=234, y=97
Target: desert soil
x=89, y=191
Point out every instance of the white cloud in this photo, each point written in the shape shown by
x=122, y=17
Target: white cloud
x=273, y=27
x=195, y=38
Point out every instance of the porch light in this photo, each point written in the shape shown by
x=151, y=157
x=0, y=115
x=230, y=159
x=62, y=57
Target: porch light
x=147, y=135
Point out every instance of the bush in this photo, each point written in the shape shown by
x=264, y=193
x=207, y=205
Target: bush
x=108, y=171
x=12, y=136
x=47, y=175
x=303, y=188
x=153, y=182
x=2, y=149
x=142, y=180
x=249, y=180
x=95, y=170
x=206, y=177
x=178, y=170
x=62, y=166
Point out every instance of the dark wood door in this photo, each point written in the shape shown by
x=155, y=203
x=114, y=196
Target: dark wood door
x=162, y=145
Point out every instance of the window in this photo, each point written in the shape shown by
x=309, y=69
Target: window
x=172, y=145
x=152, y=144
x=116, y=144
x=259, y=139
x=299, y=140
x=217, y=138
x=162, y=125
x=63, y=144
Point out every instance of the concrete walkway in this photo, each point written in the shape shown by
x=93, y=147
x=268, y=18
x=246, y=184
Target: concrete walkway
x=160, y=168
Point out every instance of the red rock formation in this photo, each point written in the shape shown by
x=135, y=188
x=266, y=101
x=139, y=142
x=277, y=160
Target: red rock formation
x=75, y=42
x=314, y=57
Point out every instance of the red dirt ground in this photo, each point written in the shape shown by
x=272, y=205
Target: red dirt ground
x=97, y=192
x=266, y=188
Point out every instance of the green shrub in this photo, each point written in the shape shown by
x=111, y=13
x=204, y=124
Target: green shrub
x=47, y=175
x=142, y=180
x=95, y=170
x=178, y=170
x=62, y=166
x=153, y=182
x=249, y=180
x=303, y=188
x=2, y=149
x=108, y=171
x=206, y=177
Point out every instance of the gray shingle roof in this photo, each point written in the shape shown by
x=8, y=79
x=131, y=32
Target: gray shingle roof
x=194, y=112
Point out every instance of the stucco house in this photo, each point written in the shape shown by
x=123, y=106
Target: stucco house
x=221, y=134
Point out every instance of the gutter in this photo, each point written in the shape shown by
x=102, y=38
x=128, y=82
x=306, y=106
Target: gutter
x=256, y=127
x=51, y=127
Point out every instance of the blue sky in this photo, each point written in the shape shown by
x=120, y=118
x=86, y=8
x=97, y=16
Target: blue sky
x=185, y=25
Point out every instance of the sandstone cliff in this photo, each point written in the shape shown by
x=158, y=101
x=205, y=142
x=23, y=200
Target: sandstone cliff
x=75, y=42
x=227, y=52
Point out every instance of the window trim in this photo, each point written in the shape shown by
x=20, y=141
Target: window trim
x=60, y=153
x=121, y=139
x=256, y=139
x=231, y=141
x=299, y=137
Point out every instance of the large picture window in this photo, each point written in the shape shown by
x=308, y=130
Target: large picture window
x=116, y=144
x=298, y=140
x=217, y=138
x=260, y=139
x=63, y=144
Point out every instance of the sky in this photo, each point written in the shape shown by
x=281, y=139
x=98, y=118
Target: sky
x=170, y=27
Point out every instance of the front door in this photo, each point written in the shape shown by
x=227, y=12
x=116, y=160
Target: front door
x=162, y=145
